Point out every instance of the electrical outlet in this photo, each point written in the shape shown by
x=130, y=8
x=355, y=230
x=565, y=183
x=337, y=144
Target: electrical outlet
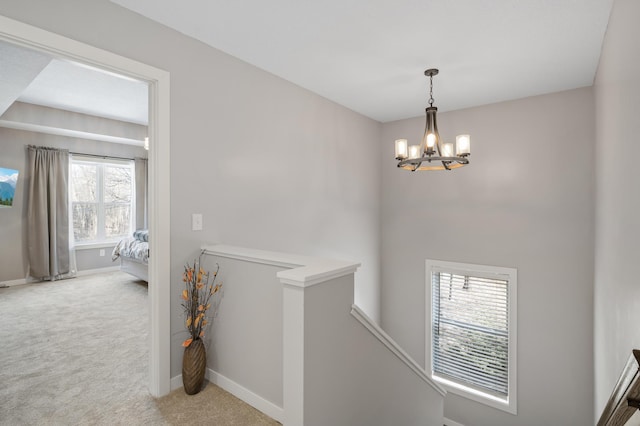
x=196, y=222
x=101, y=252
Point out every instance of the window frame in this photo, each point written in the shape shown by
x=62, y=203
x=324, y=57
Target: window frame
x=508, y=403
x=101, y=239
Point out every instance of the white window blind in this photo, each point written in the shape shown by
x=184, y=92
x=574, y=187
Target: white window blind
x=471, y=328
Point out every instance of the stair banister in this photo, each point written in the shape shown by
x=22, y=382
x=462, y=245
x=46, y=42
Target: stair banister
x=625, y=398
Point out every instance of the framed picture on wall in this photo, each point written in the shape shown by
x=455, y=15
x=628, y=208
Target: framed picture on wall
x=8, y=181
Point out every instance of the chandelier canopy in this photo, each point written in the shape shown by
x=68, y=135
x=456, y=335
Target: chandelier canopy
x=433, y=153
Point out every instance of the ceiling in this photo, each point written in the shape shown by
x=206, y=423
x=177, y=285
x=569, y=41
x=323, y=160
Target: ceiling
x=74, y=87
x=370, y=55
x=37, y=78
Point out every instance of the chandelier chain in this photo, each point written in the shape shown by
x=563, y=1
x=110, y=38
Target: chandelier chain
x=431, y=100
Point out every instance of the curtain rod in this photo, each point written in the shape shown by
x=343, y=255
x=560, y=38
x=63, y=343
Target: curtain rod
x=104, y=156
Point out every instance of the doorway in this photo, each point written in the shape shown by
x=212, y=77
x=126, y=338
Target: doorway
x=35, y=38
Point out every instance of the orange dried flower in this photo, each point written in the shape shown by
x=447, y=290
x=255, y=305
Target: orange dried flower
x=196, y=297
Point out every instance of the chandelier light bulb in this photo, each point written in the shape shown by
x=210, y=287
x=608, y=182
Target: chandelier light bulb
x=447, y=150
x=414, y=151
x=401, y=149
x=431, y=140
x=463, y=145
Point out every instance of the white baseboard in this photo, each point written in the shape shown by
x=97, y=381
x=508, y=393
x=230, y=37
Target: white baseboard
x=97, y=271
x=176, y=382
x=12, y=283
x=22, y=281
x=239, y=391
x=448, y=422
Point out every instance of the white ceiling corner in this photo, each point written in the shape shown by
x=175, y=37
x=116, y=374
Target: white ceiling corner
x=18, y=68
x=35, y=77
x=74, y=87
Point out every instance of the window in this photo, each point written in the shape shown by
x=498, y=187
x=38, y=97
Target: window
x=471, y=331
x=102, y=199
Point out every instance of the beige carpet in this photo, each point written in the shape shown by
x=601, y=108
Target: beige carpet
x=74, y=352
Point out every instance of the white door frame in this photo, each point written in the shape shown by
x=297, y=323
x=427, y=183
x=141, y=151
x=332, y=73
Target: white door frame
x=159, y=183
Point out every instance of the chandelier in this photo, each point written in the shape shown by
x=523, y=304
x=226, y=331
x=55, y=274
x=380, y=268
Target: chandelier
x=432, y=153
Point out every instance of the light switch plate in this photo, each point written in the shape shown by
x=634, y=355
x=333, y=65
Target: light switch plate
x=196, y=222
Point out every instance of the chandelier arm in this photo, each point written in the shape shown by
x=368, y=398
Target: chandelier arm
x=449, y=160
x=423, y=142
x=435, y=129
x=431, y=166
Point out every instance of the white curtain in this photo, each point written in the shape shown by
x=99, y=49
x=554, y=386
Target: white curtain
x=141, y=193
x=48, y=219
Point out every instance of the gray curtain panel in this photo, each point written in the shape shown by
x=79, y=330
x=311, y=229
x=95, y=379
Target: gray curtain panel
x=48, y=212
x=141, y=193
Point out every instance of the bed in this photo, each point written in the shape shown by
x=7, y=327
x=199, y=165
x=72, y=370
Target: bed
x=133, y=253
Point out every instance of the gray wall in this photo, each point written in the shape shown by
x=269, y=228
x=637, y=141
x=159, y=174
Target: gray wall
x=350, y=377
x=617, y=266
x=13, y=258
x=245, y=342
x=268, y=164
x=526, y=201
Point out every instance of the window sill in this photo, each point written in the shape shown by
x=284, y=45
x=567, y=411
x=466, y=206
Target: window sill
x=504, y=404
x=91, y=246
